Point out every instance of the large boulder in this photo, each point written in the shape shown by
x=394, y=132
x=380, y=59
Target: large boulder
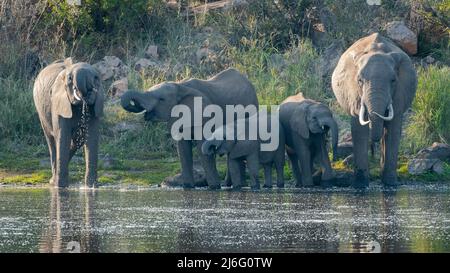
x=111, y=67
x=403, y=36
x=344, y=149
x=152, y=52
x=430, y=159
x=199, y=179
x=118, y=87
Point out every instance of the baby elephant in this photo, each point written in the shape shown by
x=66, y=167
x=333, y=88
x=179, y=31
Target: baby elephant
x=306, y=123
x=267, y=151
x=69, y=102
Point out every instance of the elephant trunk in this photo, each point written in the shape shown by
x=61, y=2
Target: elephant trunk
x=209, y=146
x=132, y=101
x=380, y=109
x=331, y=123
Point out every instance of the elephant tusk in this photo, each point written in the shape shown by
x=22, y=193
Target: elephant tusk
x=390, y=113
x=75, y=95
x=362, y=112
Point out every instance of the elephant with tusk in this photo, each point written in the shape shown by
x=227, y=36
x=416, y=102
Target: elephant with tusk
x=375, y=82
x=69, y=101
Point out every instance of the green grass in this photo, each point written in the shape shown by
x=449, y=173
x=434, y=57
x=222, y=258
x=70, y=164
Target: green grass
x=431, y=118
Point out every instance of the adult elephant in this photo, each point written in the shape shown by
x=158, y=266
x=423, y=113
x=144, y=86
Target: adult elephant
x=69, y=101
x=375, y=82
x=306, y=124
x=229, y=87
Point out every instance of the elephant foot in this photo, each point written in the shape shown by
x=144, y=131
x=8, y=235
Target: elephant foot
x=227, y=182
x=237, y=187
x=280, y=185
x=255, y=187
x=361, y=181
x=267, y=186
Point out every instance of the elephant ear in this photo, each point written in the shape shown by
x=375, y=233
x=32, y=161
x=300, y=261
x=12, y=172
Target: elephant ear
x=299, y=123
x=60, y=100
x=100, y=97
x=406, y=79
x=184, y=92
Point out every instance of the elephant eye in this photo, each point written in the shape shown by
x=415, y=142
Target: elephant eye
x=360, y=82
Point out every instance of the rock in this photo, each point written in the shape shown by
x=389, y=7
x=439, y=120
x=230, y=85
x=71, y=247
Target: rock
x=112, y=61
x=152, y=52
x=437, y=150
x=175, y=181
x=403, y=36
x=344, y=149
x=125, y=126
x=348, y=161
x=429, y=60
x=111, y=67
x=438, y=167
x=104, y=70
x=420, y=166
x=204, y=53
x=346, y=137
x=373, y=2
x=143, y=64
x=118, y=87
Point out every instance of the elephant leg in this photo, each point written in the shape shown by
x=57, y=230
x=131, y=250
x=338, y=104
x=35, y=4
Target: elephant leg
x=242, y=167
x=295, y=169
x=235, y=173
x=267, y=175
x=327, y=172
x=360, y=139
x=63, y=140
x=279, y=166
x=91, y=154
x=52, y=150
x=304, y=154
x=253, y=169
x=187, y=168
x=227, y=182
x=389, y=151
x=209, y=165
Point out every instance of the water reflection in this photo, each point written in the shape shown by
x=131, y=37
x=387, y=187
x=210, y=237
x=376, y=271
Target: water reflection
x=410, y=219
x=64, y=232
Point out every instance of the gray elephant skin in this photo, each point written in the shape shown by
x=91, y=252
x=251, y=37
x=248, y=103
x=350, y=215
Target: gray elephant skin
x=228, y=87
x=241, y=152
x=375, y=82
x=69, y=101
x=306, y=124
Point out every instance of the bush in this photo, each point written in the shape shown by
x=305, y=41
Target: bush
x=431, y=118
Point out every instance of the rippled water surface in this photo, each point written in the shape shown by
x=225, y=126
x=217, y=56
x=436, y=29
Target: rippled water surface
x=410, y=219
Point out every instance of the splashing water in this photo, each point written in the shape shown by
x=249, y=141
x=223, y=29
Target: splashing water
x=81, y=135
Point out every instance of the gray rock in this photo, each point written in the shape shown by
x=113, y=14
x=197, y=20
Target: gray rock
x=119, y=87
x=330, y=58
x=420, y=166
x=403, y=36
x=344, y=149
x=429, y=59
x=438, y=167
x=437, y=150
x=175, y=181
x=111, y=67
x=105, y=71
x=125, y=126
x=152, y=52
x=144, y=64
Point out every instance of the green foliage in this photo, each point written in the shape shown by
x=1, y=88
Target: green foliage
x=18, y=118
x=431, y=119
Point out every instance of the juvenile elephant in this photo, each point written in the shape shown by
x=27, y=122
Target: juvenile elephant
x=229, y=87
x=69, y=101
x=375, y=82
x=240, y=149
x=306, y=123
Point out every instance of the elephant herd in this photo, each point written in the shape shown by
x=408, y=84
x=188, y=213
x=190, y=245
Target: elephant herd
x=374, y=82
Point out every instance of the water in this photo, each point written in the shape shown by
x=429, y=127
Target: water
x=410, y=219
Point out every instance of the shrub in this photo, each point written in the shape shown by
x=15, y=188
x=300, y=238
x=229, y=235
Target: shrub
x=430, y=121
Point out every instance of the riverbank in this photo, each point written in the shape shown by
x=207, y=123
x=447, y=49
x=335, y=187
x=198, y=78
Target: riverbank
x=33, y=169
